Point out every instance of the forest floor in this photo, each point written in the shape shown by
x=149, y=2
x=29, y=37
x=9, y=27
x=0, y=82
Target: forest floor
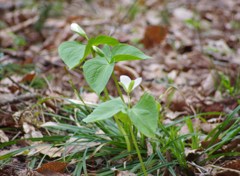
x=194, y=71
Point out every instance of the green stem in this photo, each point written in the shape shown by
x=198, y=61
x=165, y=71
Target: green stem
x=129, y=100
x=124, y=134
x=93, y=53
x=143, y=139
x=138, y=152
x=106, y=93
x=117, y=85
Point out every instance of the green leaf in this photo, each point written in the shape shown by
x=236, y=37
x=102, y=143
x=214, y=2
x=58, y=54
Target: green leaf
x=144, y=115
x=99, y=40
x=104, y=39
x=105, y=110
x=107, y=52
x=124, y=52
x=97, y=72
x=71, y=53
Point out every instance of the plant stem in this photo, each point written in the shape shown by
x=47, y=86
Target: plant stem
x=106, y=94
x=117, y=85
x=138, y=152
x=129, y=100
x=124, y=134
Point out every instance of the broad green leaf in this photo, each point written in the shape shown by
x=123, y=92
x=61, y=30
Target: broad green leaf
x=104, y=39
x=105, y=110
x=123, y=117
x=107, y=52
x=71, y=53
x=97, y=72
x=144, y=115
x=99, y=40
x=124, y=52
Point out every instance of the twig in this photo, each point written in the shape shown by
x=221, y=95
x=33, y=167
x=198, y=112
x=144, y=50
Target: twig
x=225, y=168
x=19, y=85
x=199, y=168
x=17, y=99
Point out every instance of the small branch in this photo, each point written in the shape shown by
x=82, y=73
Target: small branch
x=19, y=85
x=225, y=169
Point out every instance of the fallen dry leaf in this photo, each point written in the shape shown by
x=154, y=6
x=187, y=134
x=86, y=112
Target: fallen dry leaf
x=208, y=85
x=48, y=150
x=173, y=115
x=78, y=145
x=3, y=137
x=90, y=97
x=233, y=145
x=55, y=166
x=182, y=13
x=226, y=173
x=28, y=77
x=124, y=173
x=207, y=127
x=153, y=36
x=232, y=164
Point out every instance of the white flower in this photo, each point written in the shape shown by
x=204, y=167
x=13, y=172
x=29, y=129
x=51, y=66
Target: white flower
x=76, y=28
x=128, y=84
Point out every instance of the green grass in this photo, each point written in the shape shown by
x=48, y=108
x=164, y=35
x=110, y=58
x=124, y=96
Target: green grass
x=103, y=141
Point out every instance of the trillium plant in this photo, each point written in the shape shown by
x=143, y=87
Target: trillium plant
x=97, y=56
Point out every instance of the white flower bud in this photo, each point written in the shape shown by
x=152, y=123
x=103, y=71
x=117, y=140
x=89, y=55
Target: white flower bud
x=76, y=28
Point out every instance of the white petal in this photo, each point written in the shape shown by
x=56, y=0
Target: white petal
x=125, y=80
x=74, y=27
x=137, y=82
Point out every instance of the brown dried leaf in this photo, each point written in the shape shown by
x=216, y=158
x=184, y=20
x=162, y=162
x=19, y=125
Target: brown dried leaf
x=232, y=146
x=206, y=144
x=226, y=173
x=28, y=78
x=54, y=166
x=154, y=35
x=232, y=164
x=13, y=88
x=6, y=120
